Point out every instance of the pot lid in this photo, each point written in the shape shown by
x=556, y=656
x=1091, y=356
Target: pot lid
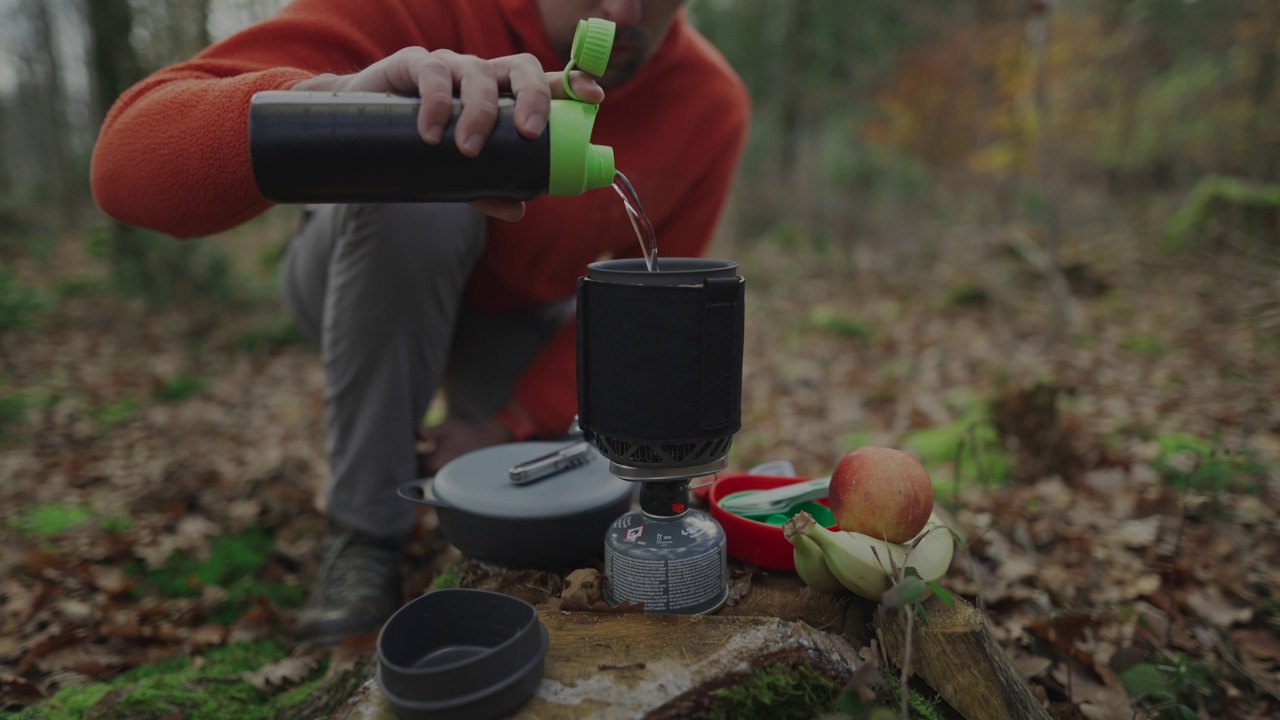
x=479, y=482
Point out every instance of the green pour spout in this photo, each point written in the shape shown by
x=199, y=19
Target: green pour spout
x=576, y=164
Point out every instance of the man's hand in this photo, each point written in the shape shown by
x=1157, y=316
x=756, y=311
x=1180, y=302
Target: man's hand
x=454, y=438
x=434, y=76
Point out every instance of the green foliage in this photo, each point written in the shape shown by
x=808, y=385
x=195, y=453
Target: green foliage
x=854, y=440
x=838, y=323
x=115, y=524
x=448, y=577
x=1188, y=461
x=792, y=236
x=922, y=708
x=117, y=412
x=943, y=594
x=851, y=704
x=1144, y=345
x=967, y=296
x=19, y=305
x=1173, y=688
x=277, y=332
x=782, y=691
x=179, y=388
x=885, y=177
x=81, y=287
x=13, y=411
x=162, y=270
x=53, y=519
x=909, y=591
x=232, y=564
x=972, y=441
x=1209, y=198
x=209, y=686
x=25, y=225
x=272, y=256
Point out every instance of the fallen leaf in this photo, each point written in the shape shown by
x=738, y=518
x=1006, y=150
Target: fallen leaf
x=19, y=603
x=1141, y=586
x=87, y=659
x=738, y=589
x=110, y=579
x=1258, y=643
x=1030, y=666
x=76, y=611
x=867, y=679
x=1136, y=533
x=1082, y=682
x=206, y=635
x=278, y=674
x=1110, y=703
x=1209, y=604
x=18, y=689
x=349, y=653
x=588, y=581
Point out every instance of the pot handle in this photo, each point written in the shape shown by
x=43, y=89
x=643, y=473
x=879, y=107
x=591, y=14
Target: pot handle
x=421, y=491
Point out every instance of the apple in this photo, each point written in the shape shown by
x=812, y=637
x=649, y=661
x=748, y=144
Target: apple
x=881, y=492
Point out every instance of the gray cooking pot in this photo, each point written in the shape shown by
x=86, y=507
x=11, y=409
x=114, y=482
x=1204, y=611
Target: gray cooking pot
x=557, y=521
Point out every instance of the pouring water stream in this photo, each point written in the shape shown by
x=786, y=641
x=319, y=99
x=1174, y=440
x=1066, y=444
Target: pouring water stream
x=639, y=220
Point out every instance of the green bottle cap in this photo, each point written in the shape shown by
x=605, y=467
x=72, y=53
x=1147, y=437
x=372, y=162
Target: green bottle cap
x=592, y=44
x=576, y=165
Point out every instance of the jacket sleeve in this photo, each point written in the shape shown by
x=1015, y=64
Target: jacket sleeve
x=547, y=392
x=173, y=151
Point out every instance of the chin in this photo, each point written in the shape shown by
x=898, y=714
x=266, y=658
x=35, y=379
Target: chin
x=619, y=73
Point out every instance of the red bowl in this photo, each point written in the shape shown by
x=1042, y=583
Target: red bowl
x=752, y=542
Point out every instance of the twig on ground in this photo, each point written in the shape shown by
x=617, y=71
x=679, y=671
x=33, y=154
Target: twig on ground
x=620, y=666
x=906, y=663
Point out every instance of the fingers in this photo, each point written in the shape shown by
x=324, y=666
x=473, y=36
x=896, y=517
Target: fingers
x=413, y=71
x=523, y=75
x=435, y=87
x=434, y=76
x=477, y=82
x=583, y=84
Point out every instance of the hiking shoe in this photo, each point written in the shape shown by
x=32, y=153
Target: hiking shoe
x=356, y=589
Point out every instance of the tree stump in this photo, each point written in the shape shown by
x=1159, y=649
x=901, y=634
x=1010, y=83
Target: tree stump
x=632, y=664
x=956, y=654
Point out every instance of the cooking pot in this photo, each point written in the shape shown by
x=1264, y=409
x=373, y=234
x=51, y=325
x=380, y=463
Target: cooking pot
x=551, y=522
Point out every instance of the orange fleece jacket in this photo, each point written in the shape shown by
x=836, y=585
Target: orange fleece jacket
x=173, y=152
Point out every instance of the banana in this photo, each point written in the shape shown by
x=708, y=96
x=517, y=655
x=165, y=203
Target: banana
x=865, y=565
x=811, y=566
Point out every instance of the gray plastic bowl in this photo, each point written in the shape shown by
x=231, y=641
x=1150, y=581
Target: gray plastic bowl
x=461, y=653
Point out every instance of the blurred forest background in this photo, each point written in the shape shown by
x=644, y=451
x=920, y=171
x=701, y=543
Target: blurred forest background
x=871, y=118
x=1037, y=243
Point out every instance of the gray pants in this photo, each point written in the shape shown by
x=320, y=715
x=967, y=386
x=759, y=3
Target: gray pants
x=379, y=288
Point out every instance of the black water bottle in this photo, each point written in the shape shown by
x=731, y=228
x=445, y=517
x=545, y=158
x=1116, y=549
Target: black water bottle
x=325, y=147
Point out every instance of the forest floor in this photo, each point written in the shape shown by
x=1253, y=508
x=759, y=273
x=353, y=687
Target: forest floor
x=1113, y=457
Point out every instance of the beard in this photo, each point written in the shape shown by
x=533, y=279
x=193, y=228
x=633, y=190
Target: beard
x=632, y=47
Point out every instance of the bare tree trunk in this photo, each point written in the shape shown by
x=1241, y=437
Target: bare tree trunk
x=1059, y=293
x=203, y=39
x=115, y=61
x=46, y=74
x=1266, y=151
x=6, y=171
x=792, y=96
x=115, y=68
